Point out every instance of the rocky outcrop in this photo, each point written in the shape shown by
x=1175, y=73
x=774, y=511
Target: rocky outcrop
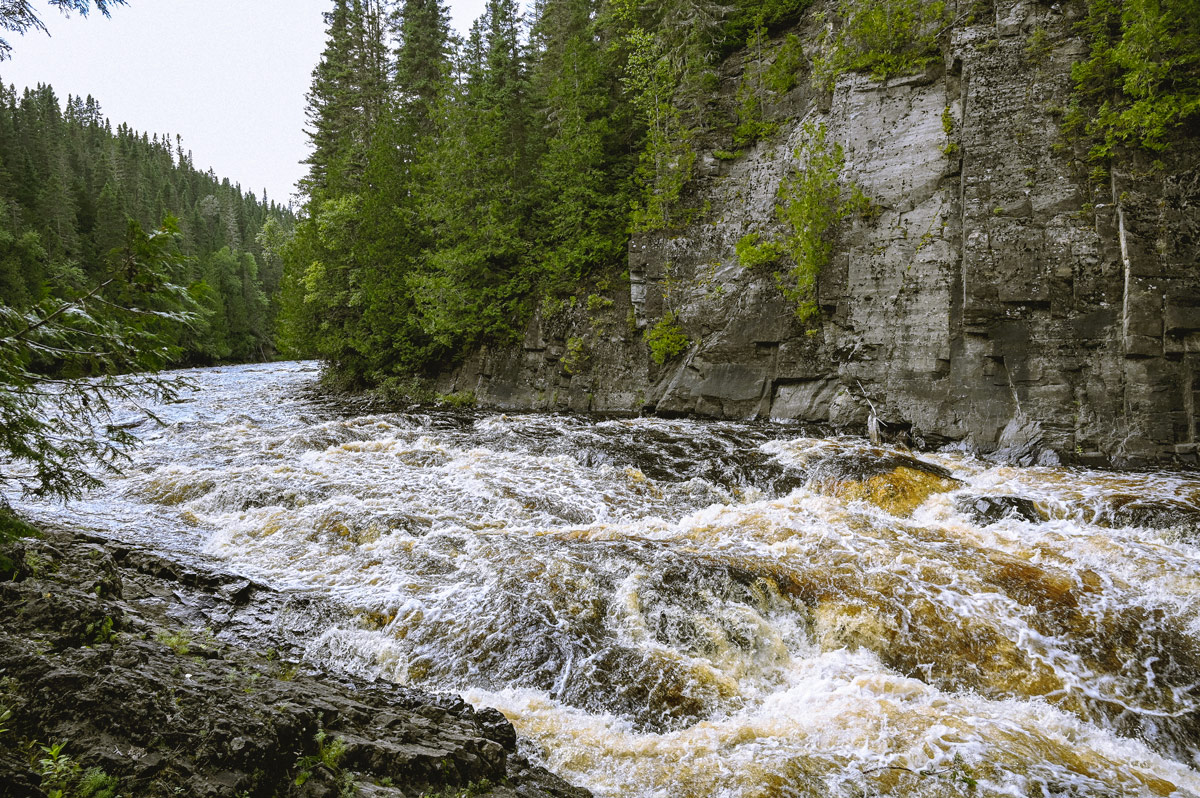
x=999, y=286
x=116, y=678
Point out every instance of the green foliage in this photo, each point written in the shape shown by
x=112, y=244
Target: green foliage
x=459, y=400
x=12, y=526
x=948, y=128
x=329, y=753
x=883, y=38
x=179, y=641
x=727, y=155
x=63, y=777
x=1038, y=46
x=1141, y=79
x=100, y=632
x=19, y=16
x=665, y=164
x=56, y=426
x=598, y=304
x=784, y=71
x=67, y=206
x=575, y=358
x=811, y=206
x=751, y=126
x=753, y=253
x=667, y=339
x=774, y=15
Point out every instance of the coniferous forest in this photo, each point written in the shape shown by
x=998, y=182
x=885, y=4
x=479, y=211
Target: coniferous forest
x=455, y=184
x=70, y=184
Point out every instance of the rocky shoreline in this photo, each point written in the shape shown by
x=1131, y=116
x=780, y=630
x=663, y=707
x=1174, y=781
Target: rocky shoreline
x=127, y=673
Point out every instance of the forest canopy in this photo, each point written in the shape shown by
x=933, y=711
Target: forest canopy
x=69, y=183
x=457, y=184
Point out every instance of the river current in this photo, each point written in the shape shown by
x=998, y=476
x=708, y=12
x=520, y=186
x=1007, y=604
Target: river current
x=688, y=608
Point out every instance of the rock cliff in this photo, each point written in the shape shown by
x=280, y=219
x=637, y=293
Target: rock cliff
x=999, y=294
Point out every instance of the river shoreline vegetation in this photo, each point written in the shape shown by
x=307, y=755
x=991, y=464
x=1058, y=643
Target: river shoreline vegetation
x=456, y=185
x=118, y=258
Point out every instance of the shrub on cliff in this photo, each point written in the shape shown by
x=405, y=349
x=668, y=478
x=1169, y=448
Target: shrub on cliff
x=881, y=37
x=1141, y=79
x=667, y=339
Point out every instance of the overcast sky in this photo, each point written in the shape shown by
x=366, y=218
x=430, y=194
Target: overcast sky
x=228, y=75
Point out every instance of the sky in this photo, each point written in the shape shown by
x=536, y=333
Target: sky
x=229, y=76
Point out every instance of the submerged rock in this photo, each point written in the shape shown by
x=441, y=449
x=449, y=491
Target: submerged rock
x=990, y=509
x=898, y=483
x=92, y=660
x=1178, y=517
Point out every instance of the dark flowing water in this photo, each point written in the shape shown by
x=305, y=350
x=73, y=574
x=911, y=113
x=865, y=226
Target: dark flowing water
x=686, y=608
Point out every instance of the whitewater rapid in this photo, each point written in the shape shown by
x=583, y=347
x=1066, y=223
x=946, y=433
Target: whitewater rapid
x=692, y=608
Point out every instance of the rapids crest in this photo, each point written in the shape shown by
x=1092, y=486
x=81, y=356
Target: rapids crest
x=682, y=608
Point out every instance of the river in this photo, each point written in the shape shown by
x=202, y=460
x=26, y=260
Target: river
x=693, y=608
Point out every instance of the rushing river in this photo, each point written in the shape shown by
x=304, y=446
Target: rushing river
x=686, y=608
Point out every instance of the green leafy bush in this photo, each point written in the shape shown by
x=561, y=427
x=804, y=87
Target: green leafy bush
x=753, y=253
x=883, y=38
x=179, y=641
x=667, y=339
x=63, y=777
x=811, y=206
x=948, y=127
x=576, y=356
x=782, y=75
x=597, y=303
x=1141, y=79
x=55, y=430
x=459, y=400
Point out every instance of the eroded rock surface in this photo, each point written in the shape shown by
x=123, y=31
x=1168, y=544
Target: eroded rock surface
x=93, y=656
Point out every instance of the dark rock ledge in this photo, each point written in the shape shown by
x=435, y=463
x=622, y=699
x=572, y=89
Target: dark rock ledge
x=128, y=660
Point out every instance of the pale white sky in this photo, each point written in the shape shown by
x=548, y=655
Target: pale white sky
x=228, y=75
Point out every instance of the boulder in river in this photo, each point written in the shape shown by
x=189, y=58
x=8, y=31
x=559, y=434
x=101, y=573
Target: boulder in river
x=896, y=482
x=991, y=509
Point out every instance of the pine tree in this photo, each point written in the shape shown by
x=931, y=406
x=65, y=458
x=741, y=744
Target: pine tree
x=580, y=190
x=19, y=16
x=422, y=58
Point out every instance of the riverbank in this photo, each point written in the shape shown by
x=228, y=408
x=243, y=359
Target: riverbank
x=121, y=674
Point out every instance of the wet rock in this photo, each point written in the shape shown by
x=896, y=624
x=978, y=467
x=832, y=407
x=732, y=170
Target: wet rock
x=895, y=482
x=92, y=658
x=1177, y=517
x=1021, y=443
x=991, y=509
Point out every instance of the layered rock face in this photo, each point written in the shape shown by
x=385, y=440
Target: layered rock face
x=1000, y=294
x=99, y=652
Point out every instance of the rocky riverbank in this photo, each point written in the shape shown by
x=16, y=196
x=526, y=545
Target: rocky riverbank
x=126, y=673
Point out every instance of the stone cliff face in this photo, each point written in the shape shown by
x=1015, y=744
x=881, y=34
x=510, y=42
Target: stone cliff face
x=999, y=296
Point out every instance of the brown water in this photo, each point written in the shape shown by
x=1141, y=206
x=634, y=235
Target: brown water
x=685, y=608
